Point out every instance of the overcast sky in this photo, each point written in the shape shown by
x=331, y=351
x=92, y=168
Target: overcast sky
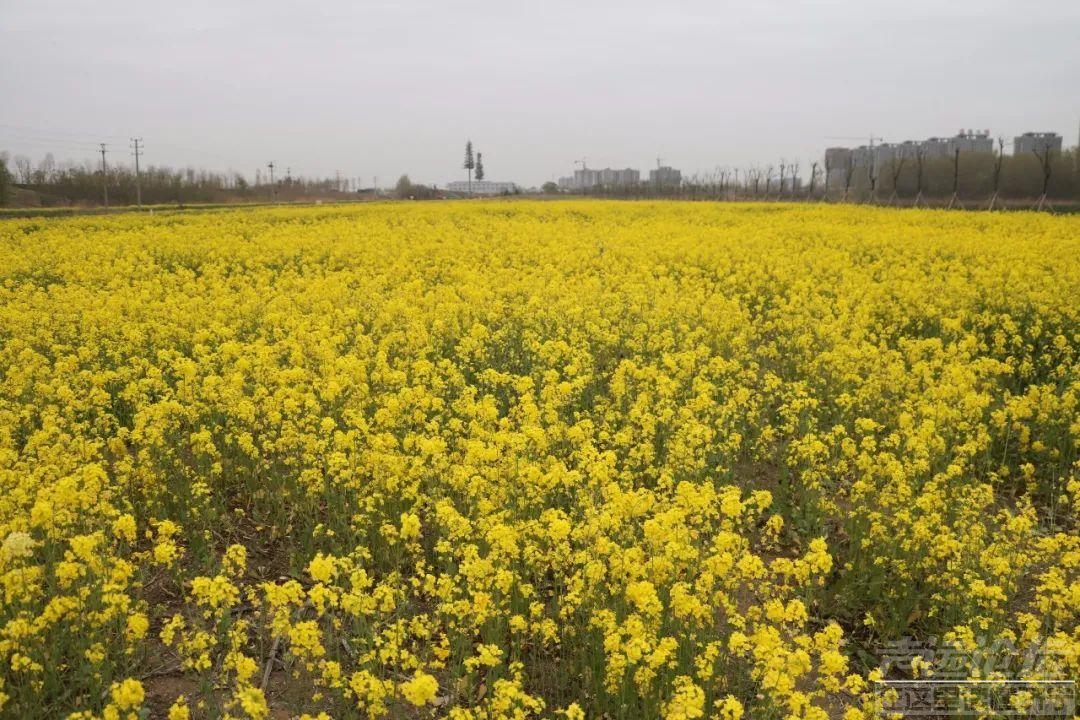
x=385, y=87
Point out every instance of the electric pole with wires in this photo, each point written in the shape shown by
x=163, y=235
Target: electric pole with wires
x=104, y=176
x=137, y=151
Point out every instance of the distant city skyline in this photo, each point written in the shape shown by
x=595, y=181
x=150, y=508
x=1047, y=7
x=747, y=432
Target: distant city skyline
x=381, y=89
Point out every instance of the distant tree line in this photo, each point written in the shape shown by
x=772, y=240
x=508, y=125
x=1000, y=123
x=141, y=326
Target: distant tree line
x=406, y=189
x=970, y=178
x=58, y=184
x=5, y=180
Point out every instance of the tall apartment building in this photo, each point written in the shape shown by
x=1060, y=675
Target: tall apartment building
x=964, y=141
x=619, y=178
x=885, y=154
x=973, y=141
x=862, y=156
x=665, y=176
x=879, y=156
x=936, y=147
x=837, y=158
x=588, y=178
x=1038, y=143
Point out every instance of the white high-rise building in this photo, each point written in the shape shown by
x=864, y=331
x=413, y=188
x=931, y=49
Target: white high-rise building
x=1038, y=143
x=587, y=178
x=665, y=176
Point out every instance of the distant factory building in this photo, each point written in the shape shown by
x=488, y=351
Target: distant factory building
x=1037, y=142
x=482, y=187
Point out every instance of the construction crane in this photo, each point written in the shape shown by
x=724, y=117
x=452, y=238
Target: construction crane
x=580, y=162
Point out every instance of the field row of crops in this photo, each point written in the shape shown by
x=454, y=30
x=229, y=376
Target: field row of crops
x=513, y=460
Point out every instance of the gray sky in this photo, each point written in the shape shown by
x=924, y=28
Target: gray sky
x=376, y=87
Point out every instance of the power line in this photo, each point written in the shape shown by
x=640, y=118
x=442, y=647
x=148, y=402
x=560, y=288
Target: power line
x=47, y=131
x=48, y=143
x=49, y=140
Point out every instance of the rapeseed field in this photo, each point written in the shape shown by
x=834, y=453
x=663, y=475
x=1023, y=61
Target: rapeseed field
x=530, y=459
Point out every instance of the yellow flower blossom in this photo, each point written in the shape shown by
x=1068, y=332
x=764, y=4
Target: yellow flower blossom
x=420, y=689
x=485, y=458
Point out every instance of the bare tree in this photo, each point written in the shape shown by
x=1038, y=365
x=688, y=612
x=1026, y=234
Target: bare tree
x=872, y=176
x=920, y=163
x=1046, y=161
x=813, y=179
x=46, y=170
x=794, y=171
x=5, y=178
x=896, y=166
x=23, y=170
x=849, y=173
x=997, y=170
x=955, y=178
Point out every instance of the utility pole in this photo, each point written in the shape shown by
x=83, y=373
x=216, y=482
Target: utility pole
x=273, y=190
x=138, y=182
x=104, y=176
